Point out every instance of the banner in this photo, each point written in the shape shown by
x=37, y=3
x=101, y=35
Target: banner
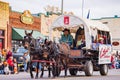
x=105, y=54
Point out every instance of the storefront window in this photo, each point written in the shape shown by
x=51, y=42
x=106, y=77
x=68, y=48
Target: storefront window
x=15, y=45
x=1, y=44
x=1, y=39
x=1, y=33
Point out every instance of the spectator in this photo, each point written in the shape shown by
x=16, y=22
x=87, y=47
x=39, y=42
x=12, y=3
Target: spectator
x=113, y=61
x=15, y=66
x=1, y=65
x=4, y=52
x=9, y=53
x=6, y=68
x=11, y=64
x=26, y=61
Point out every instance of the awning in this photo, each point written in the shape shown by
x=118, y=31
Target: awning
x=18, y=34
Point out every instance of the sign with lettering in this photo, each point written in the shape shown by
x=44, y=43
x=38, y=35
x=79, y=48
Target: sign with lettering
x=66, y=20
x=105, y=54
x=115, y=43
x=27, y=17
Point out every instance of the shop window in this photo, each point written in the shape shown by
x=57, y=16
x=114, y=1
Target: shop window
x=1, y=33
x=105, y=22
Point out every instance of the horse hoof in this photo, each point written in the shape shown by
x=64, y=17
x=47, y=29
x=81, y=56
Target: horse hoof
x=36, y=77
x=54, y=77
x=41, y=76
x=32, y=77
x=65, y=76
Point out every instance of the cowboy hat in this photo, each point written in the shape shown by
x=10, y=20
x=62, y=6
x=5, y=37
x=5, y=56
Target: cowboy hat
x=66, y=30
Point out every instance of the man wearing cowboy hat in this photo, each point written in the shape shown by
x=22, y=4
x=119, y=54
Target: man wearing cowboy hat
x=67, y=37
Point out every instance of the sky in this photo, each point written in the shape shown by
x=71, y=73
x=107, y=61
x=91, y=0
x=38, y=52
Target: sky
x=98, y=8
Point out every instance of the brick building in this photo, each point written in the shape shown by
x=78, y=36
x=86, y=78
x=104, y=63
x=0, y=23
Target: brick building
x=18, y=23
x=4, y=20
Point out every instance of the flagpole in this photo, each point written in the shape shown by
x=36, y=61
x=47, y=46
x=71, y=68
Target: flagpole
x=61, y=6
x=82, y=7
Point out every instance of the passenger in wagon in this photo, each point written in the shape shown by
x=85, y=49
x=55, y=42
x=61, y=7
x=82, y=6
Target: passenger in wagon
x=80, y=41
x=67, y=37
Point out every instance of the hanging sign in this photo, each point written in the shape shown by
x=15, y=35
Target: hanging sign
x=66, y=20
x=27, y=17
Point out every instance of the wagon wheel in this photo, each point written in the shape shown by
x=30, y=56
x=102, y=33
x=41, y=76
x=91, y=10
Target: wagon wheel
x=57, y=68
x=88, y=69
x=73, y=71
x=103, y=69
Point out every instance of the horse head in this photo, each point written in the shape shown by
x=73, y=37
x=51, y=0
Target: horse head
x=29, y=41
x=44, y=50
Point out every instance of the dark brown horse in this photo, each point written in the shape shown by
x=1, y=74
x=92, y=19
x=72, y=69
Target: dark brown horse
x=41, y=52
x=34, y=52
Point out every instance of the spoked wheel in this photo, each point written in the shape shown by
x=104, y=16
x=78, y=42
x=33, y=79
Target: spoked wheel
x=88, y=69
x=103, y=69
x=73, y=71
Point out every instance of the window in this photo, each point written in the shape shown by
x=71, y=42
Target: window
x=105, y=22
x=104, y=37
x=1, y=33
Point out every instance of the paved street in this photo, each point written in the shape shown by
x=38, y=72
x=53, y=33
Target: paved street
x=112, y=75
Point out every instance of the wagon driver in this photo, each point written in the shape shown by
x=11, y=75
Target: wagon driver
x=67, y=37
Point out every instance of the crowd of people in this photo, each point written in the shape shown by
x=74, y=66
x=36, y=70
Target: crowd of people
x=8, y=64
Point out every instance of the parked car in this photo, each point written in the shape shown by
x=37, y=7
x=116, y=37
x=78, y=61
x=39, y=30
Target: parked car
x=117, y=64
x=19, y=57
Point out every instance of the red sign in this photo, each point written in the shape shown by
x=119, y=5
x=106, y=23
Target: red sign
x=115, y=43
x=103, y=52
x=66, y=20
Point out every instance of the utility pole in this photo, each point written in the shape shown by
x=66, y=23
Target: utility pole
x=61, y=6
x=82, y=8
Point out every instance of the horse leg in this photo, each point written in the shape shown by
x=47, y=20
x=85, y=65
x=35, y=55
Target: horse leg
x=42, y=72
x=65, y=70
x=37, y=70
x=31, y=74
x=49, y=75
x=65, y=67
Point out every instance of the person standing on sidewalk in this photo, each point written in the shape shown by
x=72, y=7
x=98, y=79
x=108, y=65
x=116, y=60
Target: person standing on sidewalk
x=26, y=61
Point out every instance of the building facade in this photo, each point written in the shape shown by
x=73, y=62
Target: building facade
x=4, y=21
x=18, y=23
x=46, y=24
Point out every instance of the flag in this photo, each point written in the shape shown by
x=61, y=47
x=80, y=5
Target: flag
x=88, y=15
